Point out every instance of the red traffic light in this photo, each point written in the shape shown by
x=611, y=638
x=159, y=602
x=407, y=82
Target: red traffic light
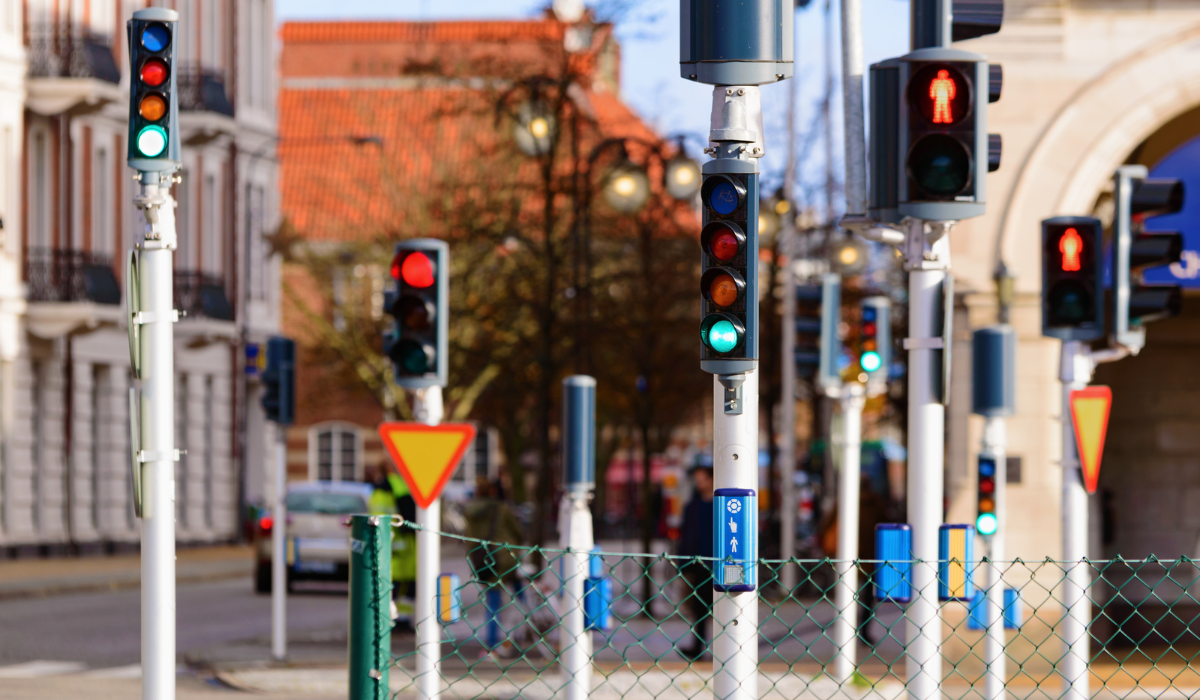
x=414, y=268
x=154, y=72
x=941, y=94
x=868, y=329
x=986, y=485
x=1071, y=247
x=724, y=245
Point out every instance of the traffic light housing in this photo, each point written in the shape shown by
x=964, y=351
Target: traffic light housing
x=818, y=314
x=875, y=338
x=1072, y=275
x=153, y=100
x=1134, y=250
x=417, y=343
x=279, y=381
x=729, y=273
x=943, y=134
x=987, y=520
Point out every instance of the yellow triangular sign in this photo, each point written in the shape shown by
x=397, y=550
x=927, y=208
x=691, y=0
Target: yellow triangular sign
x=1089, y=414
x=426, y=455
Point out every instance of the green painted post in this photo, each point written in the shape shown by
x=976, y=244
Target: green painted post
x=370, y=606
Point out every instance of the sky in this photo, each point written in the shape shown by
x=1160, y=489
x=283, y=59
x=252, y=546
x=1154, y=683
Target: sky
x=650, y=82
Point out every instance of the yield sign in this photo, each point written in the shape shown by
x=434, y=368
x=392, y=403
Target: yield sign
x=426, y=455
x=1089, y=412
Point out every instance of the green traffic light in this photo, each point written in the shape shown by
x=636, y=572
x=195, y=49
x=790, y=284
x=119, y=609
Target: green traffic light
x=152, y=141
x=987, y=524
x=722, y=336
x=870, y=361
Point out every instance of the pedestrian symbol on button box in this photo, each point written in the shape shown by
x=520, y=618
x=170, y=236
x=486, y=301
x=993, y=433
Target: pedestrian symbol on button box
x=735, y=506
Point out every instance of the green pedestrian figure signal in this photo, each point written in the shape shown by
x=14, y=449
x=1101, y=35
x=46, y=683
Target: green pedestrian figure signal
x=153, y=99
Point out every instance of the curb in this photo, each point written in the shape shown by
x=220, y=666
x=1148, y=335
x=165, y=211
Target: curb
x=57, y=588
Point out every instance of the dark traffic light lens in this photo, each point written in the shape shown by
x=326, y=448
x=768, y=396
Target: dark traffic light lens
x=156, y=37
x=724, y=246
x=417, y=270
x=723, y=198
x=152, y=107
x=1070, y=303
x=940, y=165
x=154, y=72
x=941, y=94
x=414, y=313
x=413, y=357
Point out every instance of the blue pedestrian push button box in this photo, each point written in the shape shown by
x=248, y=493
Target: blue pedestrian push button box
x=736, y=545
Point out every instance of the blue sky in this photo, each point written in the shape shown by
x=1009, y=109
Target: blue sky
x=649, y=38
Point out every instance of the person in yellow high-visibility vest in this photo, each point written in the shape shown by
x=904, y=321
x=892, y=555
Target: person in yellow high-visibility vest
x=391, y=496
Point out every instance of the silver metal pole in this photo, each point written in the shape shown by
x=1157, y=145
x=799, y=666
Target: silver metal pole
x=279, y=547
x=1075, y=372
x=852, y=105
x=926, y=432
x=427, y=407
x=787, y=410
x=735, y=615
x=851, y=401
x=995, y=445
x=158, y=454
x=576, y=653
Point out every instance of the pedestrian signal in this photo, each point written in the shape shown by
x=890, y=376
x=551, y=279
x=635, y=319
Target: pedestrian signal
x=1072, y=295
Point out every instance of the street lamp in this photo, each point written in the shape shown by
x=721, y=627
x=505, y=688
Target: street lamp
x=681, y=177
x=627, y=188
x=534, y=130
x=849, y=256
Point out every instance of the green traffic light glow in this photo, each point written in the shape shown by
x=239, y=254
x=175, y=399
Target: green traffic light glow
x=987, y=524
x=870, y=361
x=722, y=336
x=152, y=141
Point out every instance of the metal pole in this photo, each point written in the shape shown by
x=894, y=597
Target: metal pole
x=370, y=622
x=926, y=432
x=787, y=406
x=158, y=454
x=1075, y=372
x=427, y=407
x=735, y=615
x=579, y=478
x=995, y=445
x=852, y=105
x=851, y=402
x=279, y=547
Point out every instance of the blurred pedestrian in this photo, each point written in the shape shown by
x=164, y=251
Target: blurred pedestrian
x=494, y=563
x=696, y=540
x=392, y=497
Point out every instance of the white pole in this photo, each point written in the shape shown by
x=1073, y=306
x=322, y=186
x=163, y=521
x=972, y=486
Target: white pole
x=158, y=455
x=427, y=407
x=576, y=645
x=279, y=547
x=1075, y=372
x=852, y=106
x=735, y=615
x=851, y=402
x=926, y=433
x=787, y=411
x=995, y=445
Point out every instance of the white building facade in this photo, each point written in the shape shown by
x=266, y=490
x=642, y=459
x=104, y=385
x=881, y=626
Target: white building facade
x=68, y=225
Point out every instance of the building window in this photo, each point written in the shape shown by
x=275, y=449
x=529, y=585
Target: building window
x=100, y=394
x=38, y=408
x=102, y=204
x=185, y=258
x=212, y=245
x=39, y=209
x=334, y=452
x=209, y=450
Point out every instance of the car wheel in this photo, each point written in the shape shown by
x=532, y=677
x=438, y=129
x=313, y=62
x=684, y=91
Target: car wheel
x=262, y=578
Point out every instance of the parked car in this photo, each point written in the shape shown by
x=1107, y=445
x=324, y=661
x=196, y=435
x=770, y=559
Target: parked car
x=318, y=532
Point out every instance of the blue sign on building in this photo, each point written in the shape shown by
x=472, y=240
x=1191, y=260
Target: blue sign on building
x=736, y=540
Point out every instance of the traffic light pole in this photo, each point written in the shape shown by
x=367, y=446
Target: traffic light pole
x=1075, y=371
x=428, y=409
x=928, y=259
x=787, y=410
x=851, y=398
x=279, y=547
x=995, y=446
x=157, y=454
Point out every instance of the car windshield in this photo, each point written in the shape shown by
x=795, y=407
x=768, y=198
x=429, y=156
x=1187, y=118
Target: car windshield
x=332, y=503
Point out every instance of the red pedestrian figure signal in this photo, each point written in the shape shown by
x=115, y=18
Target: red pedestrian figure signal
x=942, y=90
x=1070, y=245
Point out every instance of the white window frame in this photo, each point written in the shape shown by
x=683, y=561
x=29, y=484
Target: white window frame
x=102, y=201
x=335, y=429
x=40, y=233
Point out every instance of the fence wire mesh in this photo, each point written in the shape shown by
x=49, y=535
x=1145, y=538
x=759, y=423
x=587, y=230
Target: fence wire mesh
x=652, y=633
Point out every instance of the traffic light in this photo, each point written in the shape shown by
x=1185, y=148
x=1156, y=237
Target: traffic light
x=419, y=305
x=1138, y=198
x=279, y=381
x=818, y=313
x=874, y=337
x=986, y=520
x=153, y=102
x=1072, y=271
x=729, y=273
x=943, y=134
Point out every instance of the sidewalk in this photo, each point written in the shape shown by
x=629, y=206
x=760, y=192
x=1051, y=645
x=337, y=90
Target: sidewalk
x=27, y=578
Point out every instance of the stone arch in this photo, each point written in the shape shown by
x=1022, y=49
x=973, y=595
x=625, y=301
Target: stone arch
x=1096, y=130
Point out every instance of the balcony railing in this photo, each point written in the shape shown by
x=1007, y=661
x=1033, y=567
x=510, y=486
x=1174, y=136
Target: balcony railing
x=60, y=52
x=52, y=274
x=202, y=90
x=202, y=295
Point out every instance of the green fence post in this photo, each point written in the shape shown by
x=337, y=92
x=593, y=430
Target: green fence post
x=370, y=606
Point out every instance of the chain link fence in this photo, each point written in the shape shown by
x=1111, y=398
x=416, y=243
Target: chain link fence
x=651, y=630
